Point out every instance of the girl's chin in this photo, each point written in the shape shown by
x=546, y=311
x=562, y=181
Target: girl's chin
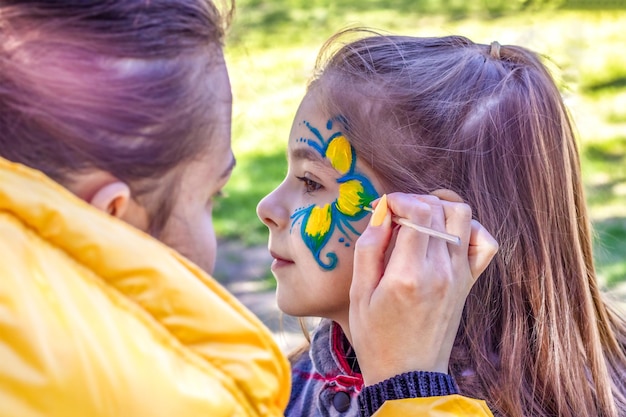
x=288, y=304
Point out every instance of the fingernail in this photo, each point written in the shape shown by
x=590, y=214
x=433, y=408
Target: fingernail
x=379, y=212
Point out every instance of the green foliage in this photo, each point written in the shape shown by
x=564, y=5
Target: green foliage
x=605, y=172
x=254, y=177
x=610, y=250
x=594, y=4
x=300, y=21
x=302, y=18
x=604, y=165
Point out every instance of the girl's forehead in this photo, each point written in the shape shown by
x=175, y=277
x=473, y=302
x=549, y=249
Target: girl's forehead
x=309, y=111
x=312, y=126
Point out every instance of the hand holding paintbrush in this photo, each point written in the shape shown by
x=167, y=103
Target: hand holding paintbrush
x=381, y=211
x=408, y=291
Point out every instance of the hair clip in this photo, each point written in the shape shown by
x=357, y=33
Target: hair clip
x=494, y=49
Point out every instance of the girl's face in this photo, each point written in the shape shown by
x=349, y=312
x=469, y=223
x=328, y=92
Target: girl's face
x=315, y=216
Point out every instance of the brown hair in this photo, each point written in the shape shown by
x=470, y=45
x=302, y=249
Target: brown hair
x=536, y=337
x=108, y=85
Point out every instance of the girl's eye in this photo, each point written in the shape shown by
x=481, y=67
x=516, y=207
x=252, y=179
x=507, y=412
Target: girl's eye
x=310, y=185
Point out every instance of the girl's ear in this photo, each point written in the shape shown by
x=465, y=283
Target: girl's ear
x=112, y=198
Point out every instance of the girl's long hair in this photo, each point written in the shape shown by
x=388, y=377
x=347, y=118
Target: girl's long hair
x=488, y=122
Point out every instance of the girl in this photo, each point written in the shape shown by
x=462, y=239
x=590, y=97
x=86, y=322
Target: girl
x=415, y=115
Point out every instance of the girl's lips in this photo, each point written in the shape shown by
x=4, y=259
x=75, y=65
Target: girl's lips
x=279, y=262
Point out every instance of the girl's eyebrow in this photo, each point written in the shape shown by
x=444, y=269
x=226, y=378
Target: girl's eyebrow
x=311, y=155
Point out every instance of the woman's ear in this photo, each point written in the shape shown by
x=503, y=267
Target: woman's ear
x=110, y=195
x=112, y=198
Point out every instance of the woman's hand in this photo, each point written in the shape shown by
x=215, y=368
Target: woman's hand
x=406, y=302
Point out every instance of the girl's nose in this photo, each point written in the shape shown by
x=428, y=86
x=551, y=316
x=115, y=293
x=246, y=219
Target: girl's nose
x=272, y=211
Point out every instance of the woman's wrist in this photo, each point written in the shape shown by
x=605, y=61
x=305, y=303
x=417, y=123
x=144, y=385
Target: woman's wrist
x=407, y=385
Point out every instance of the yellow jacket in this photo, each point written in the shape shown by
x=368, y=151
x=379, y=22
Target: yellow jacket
x=99, y=319
x=447, y=406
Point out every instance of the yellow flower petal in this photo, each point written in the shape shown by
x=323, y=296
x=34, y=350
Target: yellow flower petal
x=319, y=221
x=339, y=152
x=349, y=200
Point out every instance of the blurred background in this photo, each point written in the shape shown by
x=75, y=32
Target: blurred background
x=271, y=51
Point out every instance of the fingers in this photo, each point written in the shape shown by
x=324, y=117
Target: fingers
x=431, y=212
x=482, y=248
x=447, y=195
x=443, y=211
x=369, y=258
x=417, y=210
x=458, y=216
x=482, y=245
x=418, y=264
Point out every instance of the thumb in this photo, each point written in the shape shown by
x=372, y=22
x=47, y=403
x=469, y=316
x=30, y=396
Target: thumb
x=369, y=253
x=482, y=248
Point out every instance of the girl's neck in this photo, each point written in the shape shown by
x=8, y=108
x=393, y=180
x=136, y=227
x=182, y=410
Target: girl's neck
x=345, y=327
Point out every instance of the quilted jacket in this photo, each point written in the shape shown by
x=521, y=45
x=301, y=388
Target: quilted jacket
x=99, y=319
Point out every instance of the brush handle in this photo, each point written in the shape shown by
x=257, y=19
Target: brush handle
x=455, y=240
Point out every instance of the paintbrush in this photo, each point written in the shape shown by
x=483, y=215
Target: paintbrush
x=426, y=230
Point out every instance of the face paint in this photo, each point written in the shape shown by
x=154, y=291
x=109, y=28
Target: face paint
x=355, y=192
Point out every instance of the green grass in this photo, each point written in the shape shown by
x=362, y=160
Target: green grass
x=257, y=175
x=272, y=49
x=609, y=251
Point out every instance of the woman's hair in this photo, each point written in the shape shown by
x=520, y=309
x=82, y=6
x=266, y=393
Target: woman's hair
x=115, y=85
x=488, y=122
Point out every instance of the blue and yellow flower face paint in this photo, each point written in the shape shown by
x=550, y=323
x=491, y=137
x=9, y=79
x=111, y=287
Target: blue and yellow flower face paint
x=355, y=192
